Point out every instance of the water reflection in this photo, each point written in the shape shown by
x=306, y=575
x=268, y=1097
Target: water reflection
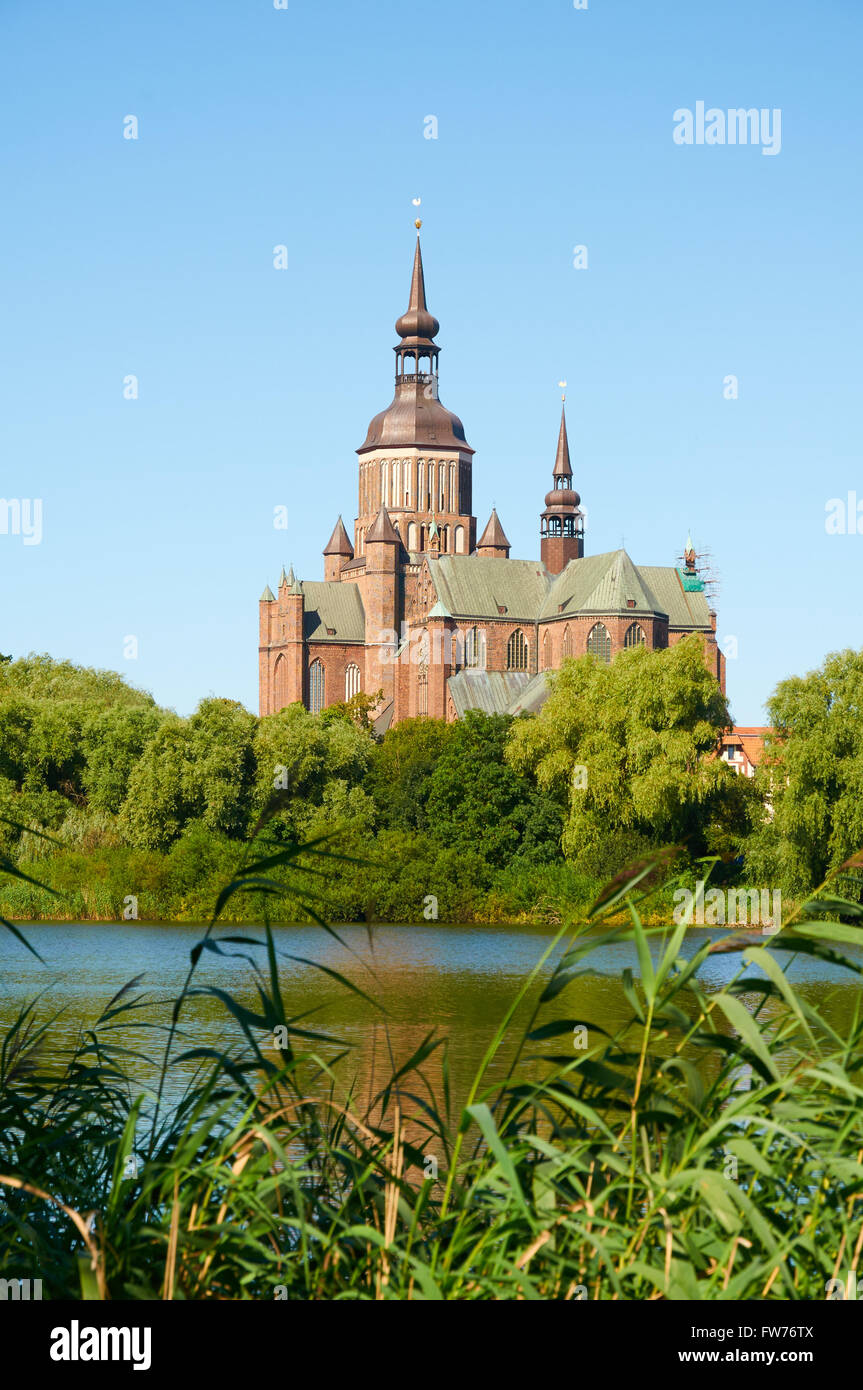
x=455, y=980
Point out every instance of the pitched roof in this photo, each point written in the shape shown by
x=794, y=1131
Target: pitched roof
x=751, y=738
x=531, y=698
x=490, y=691
x=608, y=583
x=472, y=587
x=685, y=610
x=336, y=606
x=494, y=534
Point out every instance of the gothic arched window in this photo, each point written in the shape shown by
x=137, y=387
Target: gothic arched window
x=599, y=642
x=516, y=652
x=280, y=682
x=567, y=641
x=459, y=540
x=634, y=636
x=474, y=648
x=316, y=687
x=413, y=537
x=352, y=681
x=546, y=651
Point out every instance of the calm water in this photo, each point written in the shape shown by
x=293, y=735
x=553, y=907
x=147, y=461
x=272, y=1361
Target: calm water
x=455, y=980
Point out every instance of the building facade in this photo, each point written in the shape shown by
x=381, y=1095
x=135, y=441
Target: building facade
x=415, y=606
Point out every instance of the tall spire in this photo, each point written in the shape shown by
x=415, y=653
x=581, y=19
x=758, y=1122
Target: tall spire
x=562, y=523
x=562, y=466
x=417, y=327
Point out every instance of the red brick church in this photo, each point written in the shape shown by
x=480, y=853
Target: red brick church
x=414, y=605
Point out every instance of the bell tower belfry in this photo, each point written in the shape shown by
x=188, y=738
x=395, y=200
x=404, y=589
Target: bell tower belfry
x=562, y=523
x=415, y=459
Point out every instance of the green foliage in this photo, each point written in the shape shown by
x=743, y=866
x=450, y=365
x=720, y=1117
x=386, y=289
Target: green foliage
x=814, y=776
x=645, y=729
x=399, y=778
x=634, y=1167
x=478, y=803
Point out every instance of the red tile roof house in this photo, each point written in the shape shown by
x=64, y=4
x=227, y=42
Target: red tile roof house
x=743, y=748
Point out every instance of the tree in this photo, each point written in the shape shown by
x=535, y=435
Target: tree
x=221, y=770
x=813, y=772
x=401, y=766
x=631, y=748
x=479, y=803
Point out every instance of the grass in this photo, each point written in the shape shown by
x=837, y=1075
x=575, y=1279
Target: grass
x=624, y=1169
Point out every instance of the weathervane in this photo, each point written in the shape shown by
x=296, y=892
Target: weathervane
x=562, y=385
x=416, y=202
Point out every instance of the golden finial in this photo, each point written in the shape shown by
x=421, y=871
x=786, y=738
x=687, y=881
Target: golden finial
x=418, y=223
x=562, y=385
x=416, y=202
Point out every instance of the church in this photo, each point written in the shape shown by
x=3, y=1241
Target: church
x=414, y=605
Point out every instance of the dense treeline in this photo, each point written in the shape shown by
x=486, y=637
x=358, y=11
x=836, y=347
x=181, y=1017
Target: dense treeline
x=491, y=817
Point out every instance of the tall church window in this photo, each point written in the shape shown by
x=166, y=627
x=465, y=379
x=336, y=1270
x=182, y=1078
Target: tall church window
x=422, y=495
x=280, y=682
x=385, y=491
x=567, y=641
x=459, y=540
x=634, y=636
x=452, y=496
x=474, y=648
x=516, y=652
x=423, y=676
x=546, y=651
x=441, y=474
x=406, y=481
x=352, y=681
x=413, y=537
x=316, y=687
x=599, y=642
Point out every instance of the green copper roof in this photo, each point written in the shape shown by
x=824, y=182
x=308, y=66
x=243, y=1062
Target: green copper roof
x=267, y=596
x=608, y=583
x=685, y=610
x=440, y=610
x=336, y=606
x=474, y=586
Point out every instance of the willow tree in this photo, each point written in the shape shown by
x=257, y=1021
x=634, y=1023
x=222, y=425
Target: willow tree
x=632, y=746
x=813, y=772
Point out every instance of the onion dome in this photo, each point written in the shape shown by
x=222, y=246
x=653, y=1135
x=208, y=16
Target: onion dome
x=417, y=324
x=415, y=418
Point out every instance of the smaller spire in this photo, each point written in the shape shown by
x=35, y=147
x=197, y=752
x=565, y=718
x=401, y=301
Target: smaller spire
x=562, y=465
x=494, y=536
x=295, y=587
x=283, y=578
x=339, y=542
x=267, y=596
x=290, y=579
x=382, y=529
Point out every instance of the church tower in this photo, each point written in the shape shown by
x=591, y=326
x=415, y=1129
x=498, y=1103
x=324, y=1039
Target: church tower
x=415, y=460
x=562, y=523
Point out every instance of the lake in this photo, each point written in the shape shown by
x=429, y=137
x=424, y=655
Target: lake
x=455, y=980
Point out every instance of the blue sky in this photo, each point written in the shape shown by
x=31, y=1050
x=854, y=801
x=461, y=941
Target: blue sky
x=305, y=127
